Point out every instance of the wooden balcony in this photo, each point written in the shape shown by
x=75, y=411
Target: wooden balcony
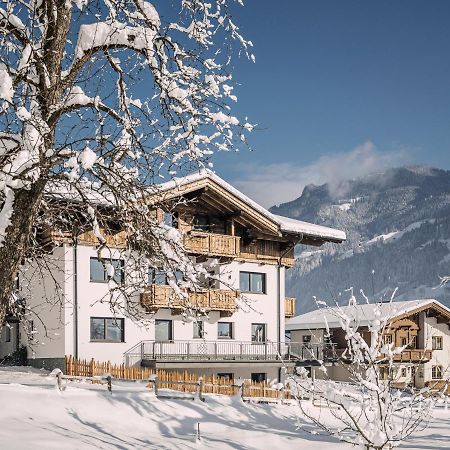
x=212, y=244
x=289, y=307
x=267, y=251
x=116, y=240
x=158, y=296
x=415, y=355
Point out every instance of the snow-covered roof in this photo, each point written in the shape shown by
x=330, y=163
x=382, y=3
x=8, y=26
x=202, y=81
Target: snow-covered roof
x=365, y=313
x=285, y=224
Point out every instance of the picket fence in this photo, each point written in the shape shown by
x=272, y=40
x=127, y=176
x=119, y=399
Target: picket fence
x=183, y=381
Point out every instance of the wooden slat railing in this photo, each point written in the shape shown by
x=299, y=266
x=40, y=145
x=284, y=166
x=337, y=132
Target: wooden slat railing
x=212, y=244
x=289, y=307
x=158, y=296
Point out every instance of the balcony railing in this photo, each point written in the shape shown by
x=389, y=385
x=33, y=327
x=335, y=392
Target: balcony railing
x=228, y=350
x=416, y=355
x=212, y=244
x=289, y=307
x=158, y=296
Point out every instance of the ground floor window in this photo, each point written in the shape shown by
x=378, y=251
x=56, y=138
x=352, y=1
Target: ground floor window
x=199, y=329
x=163, y=330
x=403, y=372
x=258, y=332
x=225, y=330
x=8, y=332
x=258, y=377
x=107, y=329
x=436, y=372
x=225, y=376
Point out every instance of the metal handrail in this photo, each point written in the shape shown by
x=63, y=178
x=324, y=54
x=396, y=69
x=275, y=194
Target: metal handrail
x=229, y=349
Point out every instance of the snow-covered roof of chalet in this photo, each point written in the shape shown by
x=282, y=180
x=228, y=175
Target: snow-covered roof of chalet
x=285, y=224
x=364, y=313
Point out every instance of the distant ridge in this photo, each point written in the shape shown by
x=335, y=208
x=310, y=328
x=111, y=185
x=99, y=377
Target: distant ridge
x=398, y=230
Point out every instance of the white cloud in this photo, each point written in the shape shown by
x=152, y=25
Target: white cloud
x=277, y=183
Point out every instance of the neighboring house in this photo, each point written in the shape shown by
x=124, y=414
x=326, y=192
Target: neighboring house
x=242, y=332
x=423, y=326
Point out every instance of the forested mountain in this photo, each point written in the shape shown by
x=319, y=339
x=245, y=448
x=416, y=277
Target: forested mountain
x=398, y=229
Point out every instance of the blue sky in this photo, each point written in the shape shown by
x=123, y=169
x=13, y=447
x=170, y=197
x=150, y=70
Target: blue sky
x=340, y=88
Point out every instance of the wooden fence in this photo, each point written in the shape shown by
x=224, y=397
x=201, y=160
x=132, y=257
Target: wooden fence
x=183, y=381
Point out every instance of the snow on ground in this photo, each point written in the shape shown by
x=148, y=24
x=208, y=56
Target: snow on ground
x=34, y=414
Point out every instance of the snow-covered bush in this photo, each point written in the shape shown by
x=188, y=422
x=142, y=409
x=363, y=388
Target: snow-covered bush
x=371, y=410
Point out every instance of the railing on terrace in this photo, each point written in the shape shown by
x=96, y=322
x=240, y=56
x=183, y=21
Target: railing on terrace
x=228, y=350
x=416, y=355
x=212, y=244
x=289, y=307
x=158, y=296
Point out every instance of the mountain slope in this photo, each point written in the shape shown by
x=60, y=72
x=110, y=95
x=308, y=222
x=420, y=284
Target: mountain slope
x=398, y=229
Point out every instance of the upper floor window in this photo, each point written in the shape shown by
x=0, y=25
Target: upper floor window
x=306, y=338
x=387, y=339
x=7, y=332
x=436, y=372
x=436, y=343
x=158, y=276
x=99, y=274
x=107, y=329
x=252, y=282
x=201, y=223
x=163, y=330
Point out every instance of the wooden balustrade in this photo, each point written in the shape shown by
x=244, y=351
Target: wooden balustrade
x=415, y=355
x=158, y=296
x=289, y=307
x=117, y=240
x=212, y=244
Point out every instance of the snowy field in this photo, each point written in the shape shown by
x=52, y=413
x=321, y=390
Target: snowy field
x=35, y=415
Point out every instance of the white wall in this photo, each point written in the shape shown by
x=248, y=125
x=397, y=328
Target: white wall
x=257, y=308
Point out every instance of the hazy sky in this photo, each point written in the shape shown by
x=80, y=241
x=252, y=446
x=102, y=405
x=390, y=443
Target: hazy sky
x=340, y=88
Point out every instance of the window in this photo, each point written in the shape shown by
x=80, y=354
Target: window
x=258, y=377
x=163, y=330
x=412, y=343
x=403, y=372
x=225, y=376
x=99, y=274
x=201, y=223
x=199, y=329
x=252, y=282
x=387, y=339
x=436, y=372
x=258, y=332
x=403, y=342
x=436, y=342
x=158, y=276
x=108, y=329
x=306, y=338
x=225, y=330
x=7, y=332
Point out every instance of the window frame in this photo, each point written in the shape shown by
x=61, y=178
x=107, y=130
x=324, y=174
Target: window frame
x=436, y=372
x=171, y=330
x=120, y=268
x=264, y=333
x=106, y=339
x=8, y=334
x=231, y=328
x=435, y=340
x=264, y=376
x=250, y=291
x=386, y=338
x=198, y=331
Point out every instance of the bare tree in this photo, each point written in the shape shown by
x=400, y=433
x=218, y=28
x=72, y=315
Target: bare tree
x=370, y=410
x=99, y=102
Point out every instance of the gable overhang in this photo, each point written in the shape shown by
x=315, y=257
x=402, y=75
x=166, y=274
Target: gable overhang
x=431, y=309
x=218, y=197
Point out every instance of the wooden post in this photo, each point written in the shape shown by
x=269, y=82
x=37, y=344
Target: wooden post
x=155, y=384
x=280, y=395
x=109, y=381
x=200, y=389
x=242, y=390
x=59, y=380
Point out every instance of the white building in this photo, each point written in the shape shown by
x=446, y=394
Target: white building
x=423, y=326
x=242, y=331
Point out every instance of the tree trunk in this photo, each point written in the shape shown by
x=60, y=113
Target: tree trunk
x=17, y=241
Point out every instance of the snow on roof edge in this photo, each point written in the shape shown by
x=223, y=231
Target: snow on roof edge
x=316, y=319
x=286, y=224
